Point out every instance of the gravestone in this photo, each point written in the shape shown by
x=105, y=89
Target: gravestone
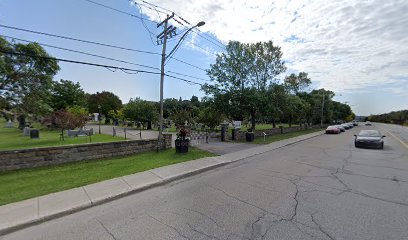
x=9, y=124
x=26, y=131
x=34, y=134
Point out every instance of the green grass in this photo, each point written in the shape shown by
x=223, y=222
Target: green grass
x=13, y=138
x=279, y=137
x=28, y=183
x=263, y=126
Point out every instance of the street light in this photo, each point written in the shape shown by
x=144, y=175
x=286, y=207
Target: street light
x=163, y=61
x=99, y=118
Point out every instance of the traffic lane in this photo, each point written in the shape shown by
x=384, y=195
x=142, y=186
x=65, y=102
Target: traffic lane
x=308, y=190
x=396, y=131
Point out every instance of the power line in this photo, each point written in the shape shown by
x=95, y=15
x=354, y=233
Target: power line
x=117, y=10
x=81, y=52
x=125, y=70
x=219, y=44
x=96, y=43
x=185, y=75
x=78, y=40
x=188, y=64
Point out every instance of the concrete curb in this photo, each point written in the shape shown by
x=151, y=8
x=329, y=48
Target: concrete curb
x=209, y=164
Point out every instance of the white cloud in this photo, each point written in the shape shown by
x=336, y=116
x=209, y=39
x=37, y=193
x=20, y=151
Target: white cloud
x=345, y=45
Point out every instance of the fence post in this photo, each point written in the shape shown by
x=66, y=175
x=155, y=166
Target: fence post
x=125, y=132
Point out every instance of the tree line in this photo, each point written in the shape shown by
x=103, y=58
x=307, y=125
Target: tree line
x=247, y=84
x=396, y=117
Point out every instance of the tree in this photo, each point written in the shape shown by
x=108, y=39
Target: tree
x=25, y=77
x=80, y=113
x=273, y=105
x=106, y=101
x=297, y=83
x=66, y=93
x=211, y=117
x=141, y=111
x=241, y=77
x=64, y=120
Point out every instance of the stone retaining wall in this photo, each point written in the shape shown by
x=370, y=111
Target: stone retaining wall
x=36, y=157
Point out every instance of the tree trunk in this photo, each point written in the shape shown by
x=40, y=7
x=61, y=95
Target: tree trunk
x=253, y=120
x=290, y=121
x=149, y=125
x=273, y=123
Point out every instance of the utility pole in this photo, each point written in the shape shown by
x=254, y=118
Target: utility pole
x=168, y=32
x=162, y=38
x=321, y=114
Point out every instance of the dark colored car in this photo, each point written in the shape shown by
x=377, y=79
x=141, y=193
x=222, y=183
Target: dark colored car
x=370, y=139
x=341, y=128
x=332, y=130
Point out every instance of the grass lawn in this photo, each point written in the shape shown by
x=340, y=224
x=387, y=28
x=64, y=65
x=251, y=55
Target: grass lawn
x=279, y=137
x=263, y=126
x=28, y=183
x=13, y=138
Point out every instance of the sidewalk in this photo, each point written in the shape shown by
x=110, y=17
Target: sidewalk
x=22, y=214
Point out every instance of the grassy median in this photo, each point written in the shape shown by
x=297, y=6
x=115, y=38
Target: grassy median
x=28, y=183
x=279, y=137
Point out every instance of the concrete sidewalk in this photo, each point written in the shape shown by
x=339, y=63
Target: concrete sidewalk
x=18, y=215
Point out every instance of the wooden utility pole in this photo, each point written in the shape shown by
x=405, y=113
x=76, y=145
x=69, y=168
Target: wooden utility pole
x=162, y=39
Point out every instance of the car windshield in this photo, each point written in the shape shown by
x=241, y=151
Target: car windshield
x=369, y=133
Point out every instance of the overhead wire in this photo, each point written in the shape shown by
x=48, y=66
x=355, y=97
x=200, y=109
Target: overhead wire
x=79, y=40
x=96, y=43
x=81, y=52
x=117, y=10
x=109, y=67
x=219, y=44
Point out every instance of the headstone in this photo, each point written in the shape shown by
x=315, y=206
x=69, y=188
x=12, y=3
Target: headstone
x=34, y=134
x=237, y=124
x=96, y=116
x=26, y=131
x=9, y=124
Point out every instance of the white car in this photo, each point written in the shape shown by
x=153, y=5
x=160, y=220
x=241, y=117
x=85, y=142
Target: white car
x=368, y=123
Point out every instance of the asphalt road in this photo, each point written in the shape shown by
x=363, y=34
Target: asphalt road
x=322, y=188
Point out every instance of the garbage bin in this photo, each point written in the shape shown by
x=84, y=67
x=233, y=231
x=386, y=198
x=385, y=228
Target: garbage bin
x=250, y=136
x=34, y=134
x=233, y=134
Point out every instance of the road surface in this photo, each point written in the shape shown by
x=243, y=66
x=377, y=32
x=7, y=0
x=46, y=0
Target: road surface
x=322, y=188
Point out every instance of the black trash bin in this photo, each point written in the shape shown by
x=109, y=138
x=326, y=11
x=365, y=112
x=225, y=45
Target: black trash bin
x=250, y=136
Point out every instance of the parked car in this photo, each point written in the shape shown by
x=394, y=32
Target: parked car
x=370, y=139
x=332, y=130
x=355, y=123
x=341, y=128
x=368, y=123
x=345, y=125
x=351, y=125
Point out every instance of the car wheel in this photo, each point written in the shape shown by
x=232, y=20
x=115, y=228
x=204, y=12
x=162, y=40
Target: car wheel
x=382, y=146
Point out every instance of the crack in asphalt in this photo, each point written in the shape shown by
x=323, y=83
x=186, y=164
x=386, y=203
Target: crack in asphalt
x=320, y=228
x=202, y=233
x=243, y=201
x=203, y=215
x=169, y=226
x=106, y=229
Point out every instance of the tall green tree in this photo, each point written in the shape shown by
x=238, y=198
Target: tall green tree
x=241, y=76
x=107, y=101
x=66, y=93
x=297, y=83
x=141, y=111
x=25, y=78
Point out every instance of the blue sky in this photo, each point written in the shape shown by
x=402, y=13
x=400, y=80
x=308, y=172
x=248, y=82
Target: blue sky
x=358, y=49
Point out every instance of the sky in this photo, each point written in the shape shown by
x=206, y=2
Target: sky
x=357, y=49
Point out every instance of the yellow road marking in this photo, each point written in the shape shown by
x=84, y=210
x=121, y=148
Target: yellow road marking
x=399, y=140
